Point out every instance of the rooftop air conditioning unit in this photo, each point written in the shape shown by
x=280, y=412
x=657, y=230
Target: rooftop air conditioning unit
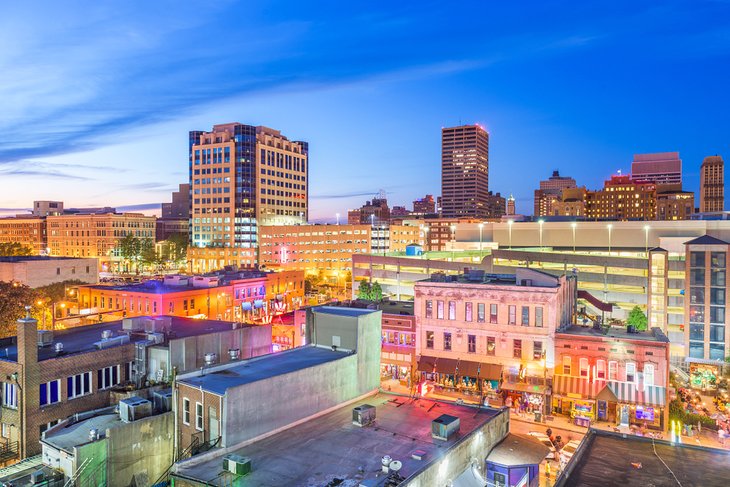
x=444, y=427
x=162, y=400
x=156, y=338
x=107, y=334
x=363, y=415
x=236, y=464
x=45, y=338
x=134, y=408
x=37, y=477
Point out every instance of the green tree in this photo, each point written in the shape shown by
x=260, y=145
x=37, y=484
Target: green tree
x=363, y=291
x=638, y=319
x=11, y=249
x=178, y=247
x=148, y=253
x=129, y=248
x=14, y=298
x=376, y=292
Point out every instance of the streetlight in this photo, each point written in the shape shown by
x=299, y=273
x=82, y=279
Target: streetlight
x=573, y=225
x=509, y=225
x=481, y=227
x=540, y=222
x=425, y=237
x=338, y=218
x=453, y=240
x=646, y=239
x=609, y=227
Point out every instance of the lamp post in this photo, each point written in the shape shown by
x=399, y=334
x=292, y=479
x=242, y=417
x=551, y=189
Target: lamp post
x=481, y=227
x=609, y=227
x=425, y=238
x=509, y=226
x=573, y=226
x=453, y=240
x=646, y=239
x=540, y=223
x=337, y=215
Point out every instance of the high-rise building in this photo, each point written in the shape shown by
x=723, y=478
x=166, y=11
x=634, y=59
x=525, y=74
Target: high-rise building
x=712, y=184
x=672, y=203
x=372, y=212
x=464, y=172
x=622, y=199
x=510, y=205
x=549, y=193
x=424, y=206
x=180, y=206
x=242, y=176
x=496, y=205
x=659, y=168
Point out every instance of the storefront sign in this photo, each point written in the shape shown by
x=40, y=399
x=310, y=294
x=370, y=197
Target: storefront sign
x=574, y=395
x=644, y=413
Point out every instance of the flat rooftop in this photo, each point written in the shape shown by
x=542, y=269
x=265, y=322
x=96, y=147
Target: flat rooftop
x=66, y=437
x=82, y=339
x=218, y=379
x=13, y=259
x=342, y=311
x=319, y=451
x=158, y=286
x=607, y=457
x=614, y=332
x=404, y=308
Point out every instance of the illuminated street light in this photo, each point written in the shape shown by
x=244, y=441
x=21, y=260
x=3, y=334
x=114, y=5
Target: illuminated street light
x=609, y=227
x=573, y=226
x=646, y=239
x=338, y=218
x=540, y=222
x=481, y=227
x=509, y=226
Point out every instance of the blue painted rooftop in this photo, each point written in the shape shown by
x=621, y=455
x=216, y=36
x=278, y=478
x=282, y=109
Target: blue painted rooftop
x=218, y=380
x=341, y=311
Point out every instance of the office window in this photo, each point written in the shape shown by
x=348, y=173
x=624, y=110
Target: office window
x=439, y=310
x=472, y=340
x=447, y=341
x=493, y=314
x=480, y=312
x=78, y=385
x=468, y=312
x=429, y=339
x=600, y=369
x=630, y=372
x=199, y=416
x=517, y=348
x=697, y=259
x=50, y=392
x=538, y=316
x=649, y=374
x=537, y=350
x=108, y=377
x=583, y=364
x=186, y=410
x=10, y=395
x=566, y=365
x=491, y=346
x=525, y=316
x=452, y=310
x=512, y=314
x=429, y=309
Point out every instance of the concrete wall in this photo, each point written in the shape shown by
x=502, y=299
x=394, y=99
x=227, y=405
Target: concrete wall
x=141, y=450
x=42, y=272
x=327, y=329
x=93, y=457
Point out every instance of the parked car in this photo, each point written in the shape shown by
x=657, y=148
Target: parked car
x=569, y=450
x=542, y=438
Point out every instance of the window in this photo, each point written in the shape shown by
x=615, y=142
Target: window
x=186, y=411
x=630, y=372
x=648, y=374
x=6, y=430
x=512, y=314
x=517, y=348
x=491, y=346
x=199, y=416
x=537, y=350
x=612, y=370
x=10, y=395
x=447, y=341
x=480, y=312
x=697, y=259
x=439, y=310
x=538, y=316
x=107, y=377
x=468, y=312
x=429, y=309
x=583, y=367
x=566, y=365
x=472, y=339
x=50, y=392
x=78, y=385
x=429, y=339
x=452, y=310
x=601, y=369
x=128, y=370
x=525, y=316
x=493, y=314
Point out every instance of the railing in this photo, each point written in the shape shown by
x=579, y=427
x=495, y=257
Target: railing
x=8, y=451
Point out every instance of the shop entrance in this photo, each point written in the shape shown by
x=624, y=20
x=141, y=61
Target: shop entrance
x=623, y=414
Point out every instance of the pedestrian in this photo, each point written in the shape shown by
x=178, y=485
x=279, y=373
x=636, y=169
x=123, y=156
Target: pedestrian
x=699, y=427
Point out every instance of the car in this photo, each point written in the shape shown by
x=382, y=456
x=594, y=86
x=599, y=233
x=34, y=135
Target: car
x=542, y=438
x=569, y=450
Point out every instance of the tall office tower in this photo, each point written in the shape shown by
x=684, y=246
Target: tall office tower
x=424, y=206
x=549, y=193
x=510, y=206
x=659, y=168
x=464, y=172
x=712, y=184
x=180, y=206
x=242, y=176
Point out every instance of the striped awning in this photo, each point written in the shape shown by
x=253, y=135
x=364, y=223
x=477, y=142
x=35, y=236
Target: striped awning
x=578, y=387
x=629, y=392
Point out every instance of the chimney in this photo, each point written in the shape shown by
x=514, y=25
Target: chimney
x=27, y=332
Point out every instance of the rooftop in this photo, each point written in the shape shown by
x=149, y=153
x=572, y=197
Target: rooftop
x=397, y=308
x=655, y=335
x=610, y=456
x=523, y=277
x=706, y=240
x=156, y=286
x=218, y=379
x=82, y=339
x=342, y=311
x=29, y=258
x=330, y=447
x=75, y=433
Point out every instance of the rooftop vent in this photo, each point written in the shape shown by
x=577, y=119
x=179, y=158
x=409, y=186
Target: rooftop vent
x=58, y=347
x=93, y=434
x=234, y=353
x=445, y=427
x=106, y=334
x=363, y=415
x=134, y=408
x=112, y=342
x=210, y=359
x=45, y=338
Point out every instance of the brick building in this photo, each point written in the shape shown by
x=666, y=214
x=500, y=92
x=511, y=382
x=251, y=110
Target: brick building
x=29, y=231
x=36, y=271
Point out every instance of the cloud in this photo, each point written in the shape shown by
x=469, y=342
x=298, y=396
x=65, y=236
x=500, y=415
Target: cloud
x=47, y=173
x=141, y=207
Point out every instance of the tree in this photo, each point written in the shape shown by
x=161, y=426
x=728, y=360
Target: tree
x=178, y=247
x=11, y=249
x=637, y=318
x=129, y=248
x=363, y=291
x=14, y=298
x=148, y=253
x=376, y=292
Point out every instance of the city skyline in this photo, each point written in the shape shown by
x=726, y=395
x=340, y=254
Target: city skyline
x=98, y=106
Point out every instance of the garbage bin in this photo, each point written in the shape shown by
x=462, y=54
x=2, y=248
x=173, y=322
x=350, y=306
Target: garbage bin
x=538, y=417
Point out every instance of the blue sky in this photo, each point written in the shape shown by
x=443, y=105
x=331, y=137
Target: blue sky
x=98, y=97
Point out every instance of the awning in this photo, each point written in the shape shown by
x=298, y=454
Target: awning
x=522, y=387
x=426, y=364
x=245, y=306
x=258, y=304
x=628, y=392
x=467, y=368
x=577, y=387
x=446, y=366
x=490, y=372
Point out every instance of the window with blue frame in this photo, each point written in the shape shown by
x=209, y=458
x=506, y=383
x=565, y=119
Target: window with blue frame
x=50, y=393
x=10, y=395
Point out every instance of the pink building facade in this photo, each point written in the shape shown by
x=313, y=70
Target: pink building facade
x=398, y=350
x=491, y=336
x=618, y=377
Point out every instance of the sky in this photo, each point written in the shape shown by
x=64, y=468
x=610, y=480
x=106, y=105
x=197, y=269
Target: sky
x=98, y=97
